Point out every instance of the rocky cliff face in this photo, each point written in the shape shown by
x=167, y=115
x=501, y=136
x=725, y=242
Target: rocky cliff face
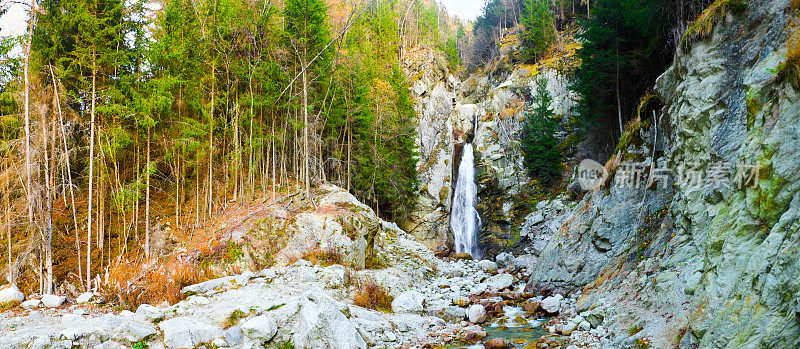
x=448, y=110
x=712, y=263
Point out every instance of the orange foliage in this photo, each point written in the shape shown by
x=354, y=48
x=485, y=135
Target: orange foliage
x=369, y=294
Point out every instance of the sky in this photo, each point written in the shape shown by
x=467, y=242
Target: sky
x=464, y=9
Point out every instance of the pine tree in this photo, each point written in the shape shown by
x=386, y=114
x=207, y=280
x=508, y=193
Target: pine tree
x=539, y=29
x=538, y=141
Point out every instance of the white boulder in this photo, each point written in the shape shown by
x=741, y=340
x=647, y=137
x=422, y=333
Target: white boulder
x=552, y=304
x=261, y=328
x=11, y=294
x=409, y=302
x=85, y=297
x=488, y=266
x=186, y=332
x=53, y=301
x=476, y=314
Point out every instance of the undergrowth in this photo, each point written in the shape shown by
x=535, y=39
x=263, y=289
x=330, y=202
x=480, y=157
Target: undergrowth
x=789, y=70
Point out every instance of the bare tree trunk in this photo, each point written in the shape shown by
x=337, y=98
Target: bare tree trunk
x=306, y=156
x=28, y=184
x=147, y=200
x=69, y=174
x=210, y=194
x=91, y=179
x=49, y=210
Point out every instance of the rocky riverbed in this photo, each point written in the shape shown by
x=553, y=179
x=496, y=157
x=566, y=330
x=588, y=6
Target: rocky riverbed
x=309, y=305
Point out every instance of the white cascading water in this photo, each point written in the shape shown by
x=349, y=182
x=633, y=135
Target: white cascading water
x=464, y=219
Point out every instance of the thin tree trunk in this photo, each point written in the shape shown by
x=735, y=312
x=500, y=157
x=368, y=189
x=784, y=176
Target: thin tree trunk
x=69, y=175
x=49, y=211
x=147, y=201
x=28, y=184
x=91, y=180
x=306, y=161
x=210, y=194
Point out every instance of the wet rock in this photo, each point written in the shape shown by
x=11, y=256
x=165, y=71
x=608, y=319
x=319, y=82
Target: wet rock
x=462, y=256
x=496, y=343
x=552, y=304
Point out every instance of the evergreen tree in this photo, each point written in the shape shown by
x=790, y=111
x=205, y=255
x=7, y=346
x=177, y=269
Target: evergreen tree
x=539, y=31
x=625, y=48
x=539, y=143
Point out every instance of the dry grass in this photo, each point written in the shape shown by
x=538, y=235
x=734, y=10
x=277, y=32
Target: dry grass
x=790, y=71
x=369, y=294
x=323, y=258
x=703, y=26
x=132, y=284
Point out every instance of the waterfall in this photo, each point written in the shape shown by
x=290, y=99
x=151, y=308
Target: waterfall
x=464, y=219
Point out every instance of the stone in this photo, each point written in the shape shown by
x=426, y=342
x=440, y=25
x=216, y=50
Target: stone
x=315, y=320
x=568, y=328
x=53, y=301
x=149, y=313
x=41, y=342
x=84, y=298
x=186, y=332
x=476, y=314
x=504, y=259
x=585, y=325
x=11, y=294
x=31, y=304
x=199, y=300
x=462, y=256
x=595, y=320
x=234, y=336
x=500, y=281
x=261, y=328
x=496, y=343
x=206, y=286
x=409, y=302
x=488, y=266
x=552, y=304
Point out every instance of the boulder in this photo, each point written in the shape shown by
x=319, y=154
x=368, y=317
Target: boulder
x=10, y=294
x=31, y=303
x=261, y=328
x=462, y=257
x=233, y=336
x=504, y=259
x=496, y=343
x=409, y=302
x=84, y=298
x=568, y=328
x=149, y=313
x=206, y=286
x=500, y=281
x=552, y=304
x=476, y=314
x=488, y=266
x=186, y=332
x=315, y=320
x=53, y=301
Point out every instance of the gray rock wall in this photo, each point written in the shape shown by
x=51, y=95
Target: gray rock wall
x=710, y=264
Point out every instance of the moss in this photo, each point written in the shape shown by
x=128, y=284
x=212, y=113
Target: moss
x=703, y=26
x=233, y=318
x=632, y=135
x=753, y=106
